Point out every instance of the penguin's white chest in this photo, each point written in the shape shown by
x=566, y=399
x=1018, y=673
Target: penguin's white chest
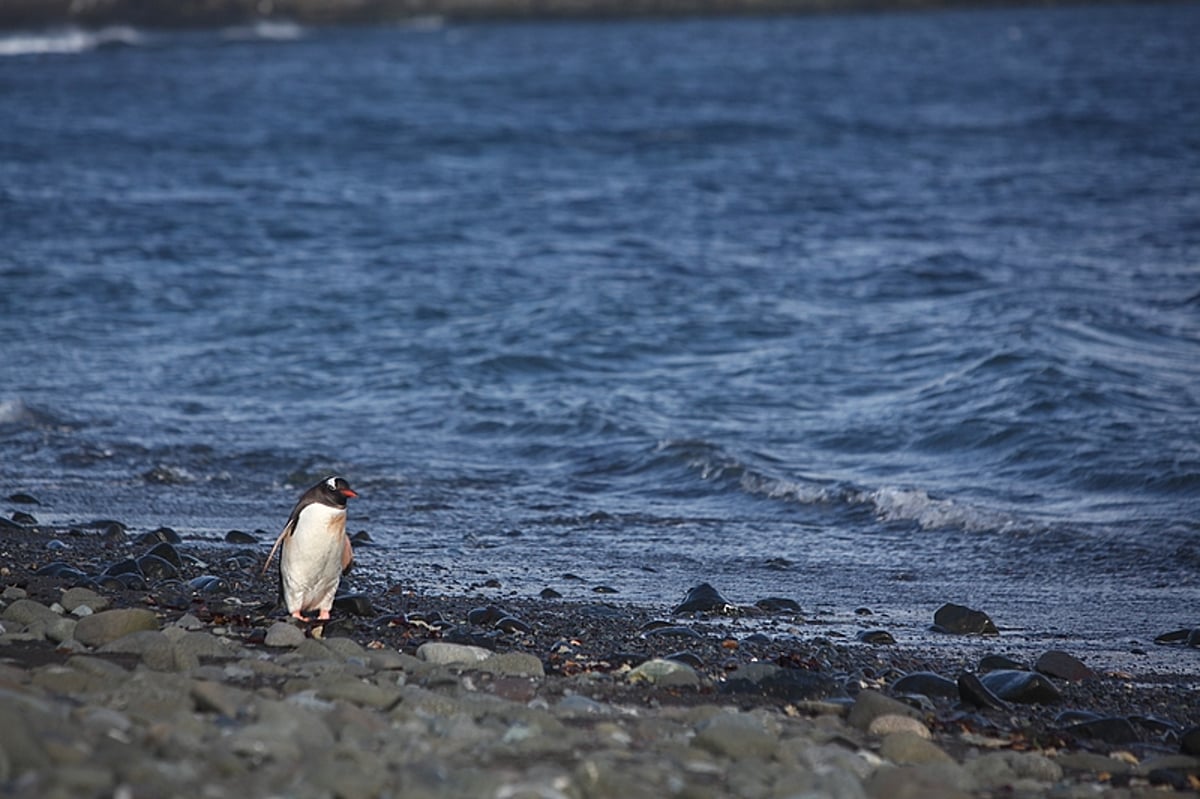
x=311, y=560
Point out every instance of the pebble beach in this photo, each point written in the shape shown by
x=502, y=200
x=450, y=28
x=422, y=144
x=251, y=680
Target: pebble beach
x=147, y=666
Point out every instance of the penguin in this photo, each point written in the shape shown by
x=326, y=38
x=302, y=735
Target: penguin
x=314, y=550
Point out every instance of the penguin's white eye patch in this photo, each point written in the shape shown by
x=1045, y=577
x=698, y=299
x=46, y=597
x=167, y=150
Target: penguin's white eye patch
x=332, y=483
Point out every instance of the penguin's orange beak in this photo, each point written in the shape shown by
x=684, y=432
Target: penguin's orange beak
x=349, y=493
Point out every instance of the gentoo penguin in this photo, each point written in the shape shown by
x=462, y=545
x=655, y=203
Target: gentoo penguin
x=314, y=550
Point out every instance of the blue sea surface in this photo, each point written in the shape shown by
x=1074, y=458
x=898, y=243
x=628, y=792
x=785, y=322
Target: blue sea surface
x=866, y=310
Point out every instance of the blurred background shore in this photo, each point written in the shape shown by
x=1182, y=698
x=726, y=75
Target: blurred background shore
x=206, y=13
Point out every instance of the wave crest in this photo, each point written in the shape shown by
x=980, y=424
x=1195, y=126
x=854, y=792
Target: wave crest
x=887, y=504
x=68, y=41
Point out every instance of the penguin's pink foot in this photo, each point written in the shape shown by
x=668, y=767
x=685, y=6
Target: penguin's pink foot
x=323, y=615
x=298, y=615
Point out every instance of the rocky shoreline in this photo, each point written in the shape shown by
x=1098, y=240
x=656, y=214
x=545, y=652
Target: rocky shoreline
x=220, y=13
x=144, y=665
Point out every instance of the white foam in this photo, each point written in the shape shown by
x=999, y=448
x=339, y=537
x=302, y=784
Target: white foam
x=915, y=505
x=265, y=29
x=13, y=411
x=792, y=491
x=67, y=41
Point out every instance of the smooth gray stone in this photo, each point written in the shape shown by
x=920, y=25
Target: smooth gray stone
x=871, y=704
x=101, y=628
x=281, y=634
x=736, y=735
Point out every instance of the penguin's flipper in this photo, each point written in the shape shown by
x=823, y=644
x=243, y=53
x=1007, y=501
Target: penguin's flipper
x=287, y=530
x=347, y=554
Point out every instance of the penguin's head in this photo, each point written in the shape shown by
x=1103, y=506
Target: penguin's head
x=335, y=491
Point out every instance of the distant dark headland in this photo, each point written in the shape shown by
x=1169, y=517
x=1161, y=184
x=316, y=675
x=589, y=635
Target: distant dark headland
x=210, y=13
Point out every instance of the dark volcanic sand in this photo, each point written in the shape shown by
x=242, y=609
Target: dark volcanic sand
x=572, y=636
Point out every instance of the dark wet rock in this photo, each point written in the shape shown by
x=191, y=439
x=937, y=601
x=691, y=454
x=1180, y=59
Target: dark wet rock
x=961, y=620
x=102, y=524
x=362, y=539
x=1111, y=729
x=206, y=584
x=775, y=604
x=755, y=639
x=1022, y=687
x=431, y=619
x=1189, y=742
x=61, y=570
x=604, y=589
x=511, y=624
x=1177, y=779
x=655, y=624
x=690, y=658
x=1173, y=637
x=22, y=498
x=24, y=519
x=1193, y=639
x=778, y=564
x=876, y=637
x=1155, y=727
x=1000, y=663
x=486, y=616
x=674, y=631
x=57, y=545
x=108, y=582
x=154, y=568
x=131, y=581
x=173, y=594
x=703, y=599
x=618, y=660
x=972, y=691
x=161, y=534
x=863, y=612
x=244, y=562
x=768, y=680
x=9, y=524
x=470, y=637
x=355, y=605
x=127, y=566
x=926, y=683
x=549, y=593
x=168, y=553
x=240, y=537
x=1074, y=716
x=114, y=534
x=1064, y=666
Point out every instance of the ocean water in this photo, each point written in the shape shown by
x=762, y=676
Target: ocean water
x=867, y=310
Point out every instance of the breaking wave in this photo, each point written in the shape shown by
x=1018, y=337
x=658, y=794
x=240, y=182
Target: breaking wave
x=67, y=41
x=886, y=504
